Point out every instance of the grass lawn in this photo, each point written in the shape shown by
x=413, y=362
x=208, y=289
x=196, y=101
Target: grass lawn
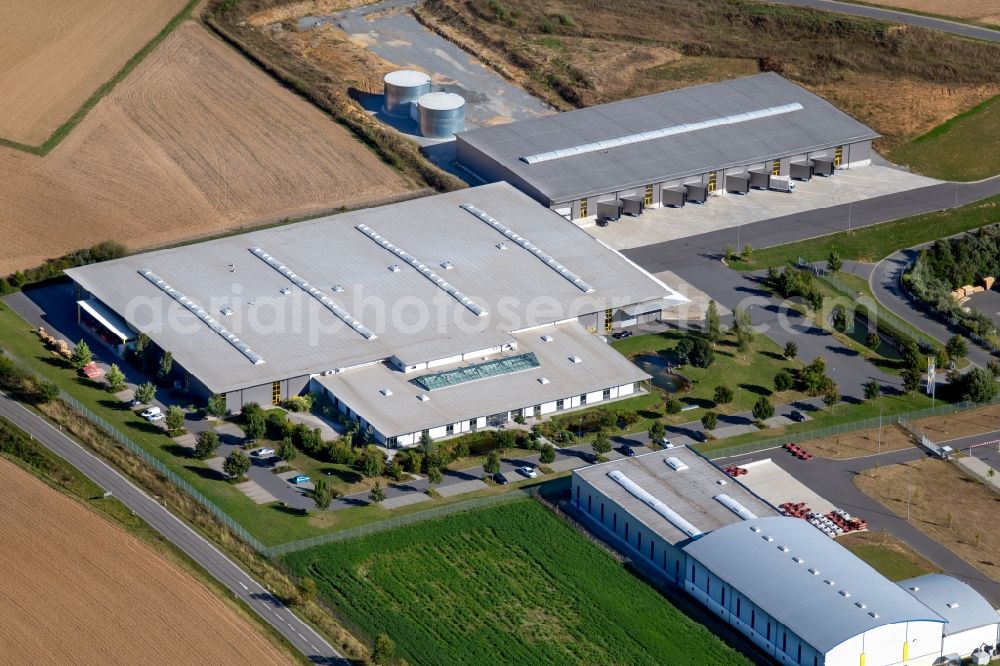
x=891, y=557
x=510, y=584
x=874, y=243
x=748, y=377
x=957, y=149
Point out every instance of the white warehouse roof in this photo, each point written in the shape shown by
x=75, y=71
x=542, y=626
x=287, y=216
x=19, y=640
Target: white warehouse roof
x=826, y=599
x=955, y=601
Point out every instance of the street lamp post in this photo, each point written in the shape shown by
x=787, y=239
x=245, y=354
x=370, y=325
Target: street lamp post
x=878, y=448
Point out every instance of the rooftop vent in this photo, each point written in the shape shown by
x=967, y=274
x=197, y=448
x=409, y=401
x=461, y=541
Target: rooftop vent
x=386, y=392
x=783, y=549
x=226, y=312
x=286, y=291
x=447, y=265
x=675, y=463
x=543, y=380
x=829, y=582
x=814, y=572
x=423, y=397
x=575, y=359
x=914, y=589
x=798, y=560
x=394, y=268
x=952, y=604
x=873, y=614
x=755, y=529
x=547, y=338
x=338, y=288
x=860, y=604
x=845, y=593
x=501, y=246
x=768, y=538
x=721, y=482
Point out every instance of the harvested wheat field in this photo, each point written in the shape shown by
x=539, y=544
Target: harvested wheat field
x=195, y=140
x=86, y=592
x=55, y=55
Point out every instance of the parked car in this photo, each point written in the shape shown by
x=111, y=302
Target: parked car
x=156, y=417
x=528, y=471
x=796, y=416
x=590, y=458
x=621, y=335
x=666, y=443
x=500, y=479
x=262, y=453
x=301, y=478
x=150, y=412
x=699, y=436
x=628, y=451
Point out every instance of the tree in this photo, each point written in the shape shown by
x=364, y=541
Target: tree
x=321, y=494
x=377, y=494
x=813, y=376
x=81, y=355
x=657, y=432
x=384, y=650
x=434, y=475
x=144, y=393
x=237, y=464
x=166, y=366
x=791, y=349
x=872, y=340
x=46, y=391
x=872, y=390
x=492, y=464
x=979, y=386
x=912, y=358
x=782, y=381
x=833, y=262
x=728, y=252
x=175, y=418
x=911, y=379
x=115, y=379
x=217, y=405
x=701, y=355
x=286, y=450
x=743, y=326
x=713, y=325
x=723, y=395
x=255, y=426
x=839, y=319
x=747, y=253
x=426, y=442
x=207, y=444
x=673, y=405
x=763, y=409
x=956, y=348
x=307, y=590
x=372, y=462
x=709, y=420
x=601, y=445
x=548, y=455
x=249, y=409
x=831, y=396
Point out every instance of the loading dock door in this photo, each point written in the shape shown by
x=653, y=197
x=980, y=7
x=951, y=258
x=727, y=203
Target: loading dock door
x=632, y=205
x=737, y=184
x=609, y=210
x=760, y=179
x=823, y=167
x=800, y=170
x=697, y=193
x=673, y=196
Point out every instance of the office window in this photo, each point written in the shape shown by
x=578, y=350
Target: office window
x=638, y=541
x=583, y=399
x=799, y=658
x=769, y=631
x=693, y=571
x=636, y=387
x=753, y=619
x=559, y=405
x=602, y=512
x=473, y=424
x=589, y=503
x=723, y=601
x=784, y=642
x=392, y=441
x=738, y=607
x=449, y=429
x=425, y=434
x=538, y=411
x=606, y=394
x=651, y=542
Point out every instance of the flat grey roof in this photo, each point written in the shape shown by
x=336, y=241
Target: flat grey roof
x=818, y=124
x=413, y=316
x=956, y=602
x=806, y=603
x=688, y=492
x=402, y=412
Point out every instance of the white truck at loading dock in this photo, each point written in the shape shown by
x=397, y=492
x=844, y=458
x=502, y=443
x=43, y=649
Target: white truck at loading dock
x=781, y=184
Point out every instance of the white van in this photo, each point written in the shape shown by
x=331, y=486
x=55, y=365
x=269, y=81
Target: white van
x=150, y=413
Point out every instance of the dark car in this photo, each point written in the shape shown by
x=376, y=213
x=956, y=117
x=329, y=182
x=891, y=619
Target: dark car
x=621, y=335
x=499, y=479
x=628, y=451
x=796, y=416
x=590, y=458
x=699, y=436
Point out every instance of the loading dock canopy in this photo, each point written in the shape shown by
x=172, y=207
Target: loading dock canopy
x=696, y=192
x=673, y=196
x=738, y=184
x=632, y=205
x=760, y=179
x=108, y=319
x=823, y=167
x=801, y=170
x=609, y=210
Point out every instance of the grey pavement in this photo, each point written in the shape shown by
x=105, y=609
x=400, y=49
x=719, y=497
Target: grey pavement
x=834, y=480
x=218, y=565
x=899, y=16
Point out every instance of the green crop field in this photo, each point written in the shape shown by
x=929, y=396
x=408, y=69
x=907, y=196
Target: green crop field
x=510, y=584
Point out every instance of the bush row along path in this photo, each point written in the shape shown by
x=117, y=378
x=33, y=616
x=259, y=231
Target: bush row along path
x=227, y=572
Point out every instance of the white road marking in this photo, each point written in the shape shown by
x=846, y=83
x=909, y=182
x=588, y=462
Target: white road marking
x=243, y=586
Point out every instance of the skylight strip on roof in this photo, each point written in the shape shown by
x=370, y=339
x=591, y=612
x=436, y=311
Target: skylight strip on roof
x=200, y=312
x=318, y=294
x=424, y=270
x=650, y=135
x=637, y=491
x=547, y=259
x=469, y=373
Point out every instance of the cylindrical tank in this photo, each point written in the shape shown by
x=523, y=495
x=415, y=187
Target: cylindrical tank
x=403, y=87
x=441, y=114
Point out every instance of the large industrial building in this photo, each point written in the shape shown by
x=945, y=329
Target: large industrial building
x=671, y=147
x=442, y=314
x=791, y=590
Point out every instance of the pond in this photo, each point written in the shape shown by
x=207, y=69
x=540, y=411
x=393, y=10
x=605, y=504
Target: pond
x=656, y=366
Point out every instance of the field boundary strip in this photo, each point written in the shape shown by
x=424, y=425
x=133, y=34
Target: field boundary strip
x=63, y=130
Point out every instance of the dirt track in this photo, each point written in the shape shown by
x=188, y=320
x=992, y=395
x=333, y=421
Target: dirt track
x=53, y=56
x=195, y=141
x=77, y=590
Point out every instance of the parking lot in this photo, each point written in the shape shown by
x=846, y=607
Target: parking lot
x=732, y=211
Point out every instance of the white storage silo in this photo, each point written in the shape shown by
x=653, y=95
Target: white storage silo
x=402, y=88
x=441, y=114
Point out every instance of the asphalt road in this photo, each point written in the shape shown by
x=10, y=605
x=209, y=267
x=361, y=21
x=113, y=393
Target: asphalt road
x=223, y=569
x=897, y=16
